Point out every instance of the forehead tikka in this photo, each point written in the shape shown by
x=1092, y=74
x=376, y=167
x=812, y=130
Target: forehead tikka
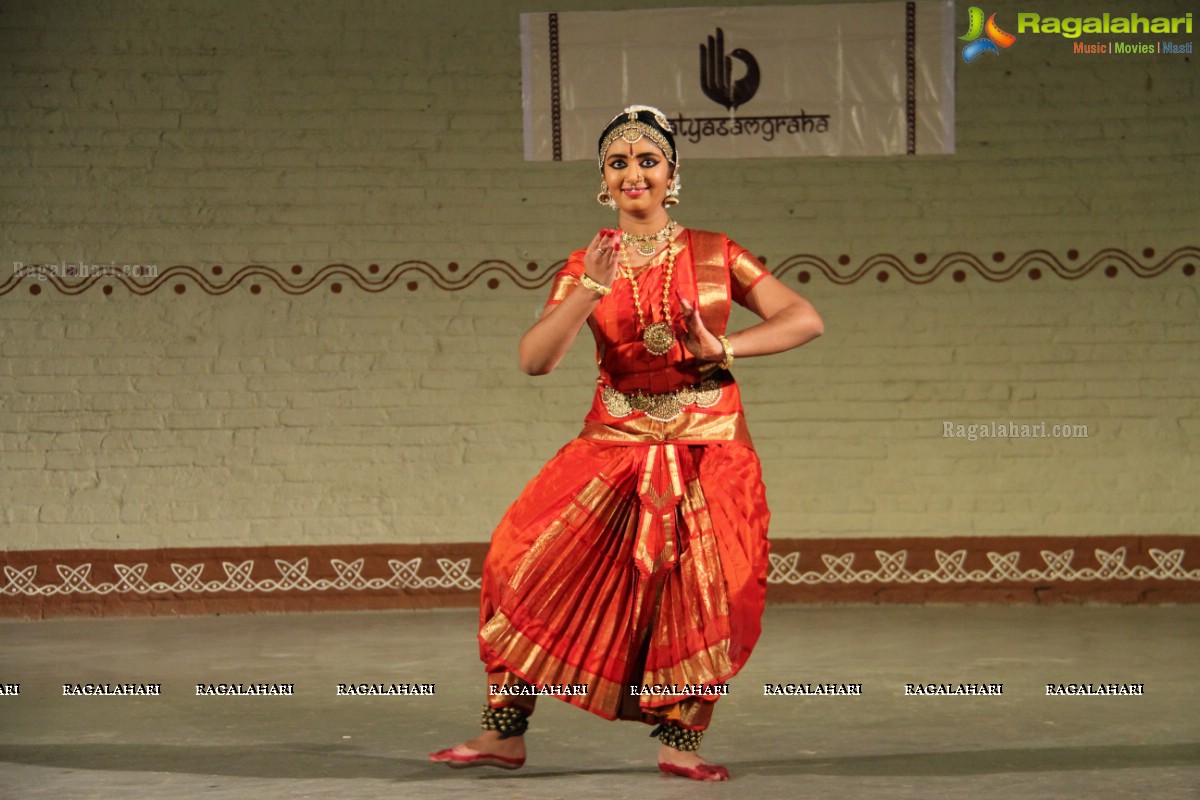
x=631, y=132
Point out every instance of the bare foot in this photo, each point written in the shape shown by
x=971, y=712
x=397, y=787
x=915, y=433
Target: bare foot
x=689, y=764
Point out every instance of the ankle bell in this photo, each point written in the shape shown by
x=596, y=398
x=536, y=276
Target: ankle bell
x=508, y=721
x=678, y=737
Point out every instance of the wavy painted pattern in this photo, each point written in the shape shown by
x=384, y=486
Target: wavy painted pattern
x=996, y=268
x=335, y=278
x=414, y=276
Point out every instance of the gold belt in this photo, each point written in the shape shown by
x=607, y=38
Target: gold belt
x=664, y=406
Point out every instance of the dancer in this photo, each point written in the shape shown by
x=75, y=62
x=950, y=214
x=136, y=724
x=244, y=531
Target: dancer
x=629, y=577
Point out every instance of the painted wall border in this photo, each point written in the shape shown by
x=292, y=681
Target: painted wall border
x=921, y=268
x=1119, y=569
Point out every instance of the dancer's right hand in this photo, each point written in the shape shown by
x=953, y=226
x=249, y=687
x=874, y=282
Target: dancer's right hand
x=601, y=259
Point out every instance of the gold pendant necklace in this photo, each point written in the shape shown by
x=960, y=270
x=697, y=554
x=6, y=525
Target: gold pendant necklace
x=647, y=244
x=658, y=337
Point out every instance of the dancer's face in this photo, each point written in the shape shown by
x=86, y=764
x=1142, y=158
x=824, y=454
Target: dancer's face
x=637, y=175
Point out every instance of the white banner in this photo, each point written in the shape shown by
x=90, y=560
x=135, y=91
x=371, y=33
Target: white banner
x=858, y=79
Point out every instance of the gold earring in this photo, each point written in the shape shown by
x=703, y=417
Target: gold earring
x=604, y=198
x=672, y=198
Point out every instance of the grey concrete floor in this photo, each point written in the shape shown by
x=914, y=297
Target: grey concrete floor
x=883, y=744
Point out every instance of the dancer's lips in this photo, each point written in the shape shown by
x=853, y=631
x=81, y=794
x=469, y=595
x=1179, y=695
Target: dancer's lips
x=635, y=191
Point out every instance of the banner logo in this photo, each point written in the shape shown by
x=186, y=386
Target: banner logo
x=994, y=39
x=716, y=73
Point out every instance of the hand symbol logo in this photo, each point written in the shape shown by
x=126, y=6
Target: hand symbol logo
x=716, y=73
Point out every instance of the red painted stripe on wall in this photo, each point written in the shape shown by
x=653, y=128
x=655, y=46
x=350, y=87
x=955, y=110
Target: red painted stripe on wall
x=1116, y=569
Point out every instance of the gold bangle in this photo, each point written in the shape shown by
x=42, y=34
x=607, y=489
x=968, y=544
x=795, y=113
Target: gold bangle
x=728, y=362
x=593, y=285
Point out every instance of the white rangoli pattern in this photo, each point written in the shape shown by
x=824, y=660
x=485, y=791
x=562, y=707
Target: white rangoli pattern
x=293, y=576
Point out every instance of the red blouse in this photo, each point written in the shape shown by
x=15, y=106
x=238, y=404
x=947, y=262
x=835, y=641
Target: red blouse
x=710, y=270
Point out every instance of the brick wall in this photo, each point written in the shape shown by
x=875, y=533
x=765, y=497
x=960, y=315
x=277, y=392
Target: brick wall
x=299, y=135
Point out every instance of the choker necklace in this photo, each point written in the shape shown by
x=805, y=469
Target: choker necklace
x=648, y=245
x=657, y=337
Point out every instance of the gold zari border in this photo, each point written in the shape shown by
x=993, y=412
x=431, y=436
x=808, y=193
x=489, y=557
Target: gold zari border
x=525, y=658
x=690, y=426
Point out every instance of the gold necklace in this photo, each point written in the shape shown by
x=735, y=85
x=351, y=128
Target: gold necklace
x=647, y=244
x=657, y=337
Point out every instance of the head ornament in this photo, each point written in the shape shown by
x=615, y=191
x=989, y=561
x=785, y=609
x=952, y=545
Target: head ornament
x=634, y=123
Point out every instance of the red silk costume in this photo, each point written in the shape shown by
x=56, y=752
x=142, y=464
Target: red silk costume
x=638, y=555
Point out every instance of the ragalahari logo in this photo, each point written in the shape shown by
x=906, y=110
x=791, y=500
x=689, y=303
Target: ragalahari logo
x=994, y=40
